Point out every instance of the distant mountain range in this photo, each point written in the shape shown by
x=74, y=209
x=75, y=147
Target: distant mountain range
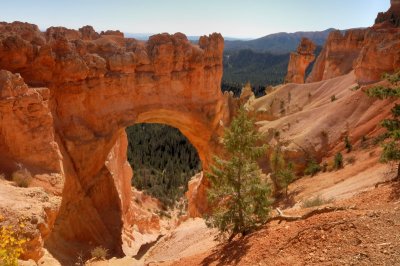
x=264, y=61
x=145, y=37
x=278, y=43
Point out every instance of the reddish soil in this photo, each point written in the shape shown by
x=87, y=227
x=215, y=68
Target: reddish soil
x=366, y=235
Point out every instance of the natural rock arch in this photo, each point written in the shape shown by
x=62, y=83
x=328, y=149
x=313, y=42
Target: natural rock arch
x=98, y=85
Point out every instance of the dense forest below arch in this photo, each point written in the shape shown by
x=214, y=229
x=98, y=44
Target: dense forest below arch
x=163, y=160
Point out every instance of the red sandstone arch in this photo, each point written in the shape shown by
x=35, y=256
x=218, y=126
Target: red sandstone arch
x=98, y=85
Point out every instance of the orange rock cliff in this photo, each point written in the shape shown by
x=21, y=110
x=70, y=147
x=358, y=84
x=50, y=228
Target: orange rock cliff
x=299, y=61
x=77, y=91
x=370, y=52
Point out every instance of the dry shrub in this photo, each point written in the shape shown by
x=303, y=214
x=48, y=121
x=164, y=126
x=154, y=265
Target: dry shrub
x=22, y=177
x=317, y=201
x=351, y=160
x=99, y=253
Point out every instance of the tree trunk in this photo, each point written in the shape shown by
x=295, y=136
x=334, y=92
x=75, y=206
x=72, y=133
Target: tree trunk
x=240, y=199
x=398, y=172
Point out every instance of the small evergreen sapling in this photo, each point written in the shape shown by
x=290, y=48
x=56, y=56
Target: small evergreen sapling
x=347, y=144
x=238, y=194
x=338, y=161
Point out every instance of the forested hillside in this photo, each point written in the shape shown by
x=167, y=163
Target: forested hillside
x=278, y=43
x=163, y=160
x=260, y=69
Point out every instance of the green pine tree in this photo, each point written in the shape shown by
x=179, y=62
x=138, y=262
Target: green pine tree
x=391, y=148
x=282, y=172
x=286, y=176
x=238, y=194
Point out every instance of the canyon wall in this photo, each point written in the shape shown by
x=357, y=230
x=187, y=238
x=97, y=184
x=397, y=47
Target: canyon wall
x=370, y=52
x=299, y=61
x=97, y=85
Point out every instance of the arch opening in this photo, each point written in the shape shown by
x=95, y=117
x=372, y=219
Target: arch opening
x=163, y=161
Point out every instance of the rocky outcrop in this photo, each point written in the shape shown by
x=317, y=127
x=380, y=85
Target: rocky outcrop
x=31, y=212
x=98, y=84
x=370, y=52
x=390, y=18
x=299, y=61
x=338, y=55
x=26, y=128
x=380, y=54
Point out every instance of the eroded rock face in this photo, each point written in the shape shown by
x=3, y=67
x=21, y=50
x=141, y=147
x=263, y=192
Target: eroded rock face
x=299, y=61
x=370, y=52
x=380, y=54
x=26, y=128
x=338, y=55
x=98, y=85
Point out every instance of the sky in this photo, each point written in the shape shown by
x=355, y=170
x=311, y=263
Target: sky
x=233, y=18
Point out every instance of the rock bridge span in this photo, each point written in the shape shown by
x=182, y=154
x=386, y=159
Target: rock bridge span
x=88, y=87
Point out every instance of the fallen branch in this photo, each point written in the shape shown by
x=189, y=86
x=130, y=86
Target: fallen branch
x=282, y=217
x=391, y=180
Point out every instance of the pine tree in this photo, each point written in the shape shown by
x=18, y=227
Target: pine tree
x=282, y=173
x=391, y=148
x=286, y=176
x=338, y=161
x=347, y=144
x=238, y=194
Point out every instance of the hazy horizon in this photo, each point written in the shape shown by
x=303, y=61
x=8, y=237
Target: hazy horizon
x=231, y=18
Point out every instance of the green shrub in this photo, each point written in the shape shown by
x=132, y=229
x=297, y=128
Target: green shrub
x=391, y=149
x=338, y=161
x=286, y=176
x=355, y=88
x=347, y=144
x=392, y=78
x=99, y=253
x=22, y=178
x=312, y=168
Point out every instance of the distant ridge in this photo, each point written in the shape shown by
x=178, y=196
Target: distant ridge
x=278, y=43
x=145, y=37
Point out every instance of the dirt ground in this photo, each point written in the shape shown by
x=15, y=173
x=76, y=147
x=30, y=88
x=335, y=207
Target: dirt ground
x=367, y=232
x=366, y=235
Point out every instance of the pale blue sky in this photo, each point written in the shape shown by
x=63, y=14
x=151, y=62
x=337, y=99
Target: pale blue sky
x=236, y=18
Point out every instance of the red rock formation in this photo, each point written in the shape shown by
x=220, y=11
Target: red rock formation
x=338, y=55
x=370, y=52
x=100, y=84
x=390, y=18
x=299, y=61
x=380, y=54
x=26, y=128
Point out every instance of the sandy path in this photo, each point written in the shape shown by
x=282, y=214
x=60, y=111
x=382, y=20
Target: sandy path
x=190, y=238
